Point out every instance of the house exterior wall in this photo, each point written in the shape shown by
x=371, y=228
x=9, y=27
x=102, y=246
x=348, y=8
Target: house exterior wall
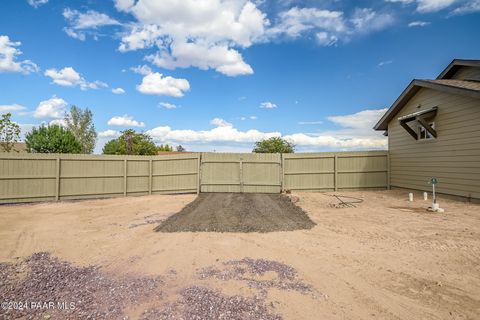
x=467, y=73
x=453, y=157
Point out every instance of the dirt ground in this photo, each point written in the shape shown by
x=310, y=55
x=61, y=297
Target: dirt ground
x=386, y=258
x=238, y=212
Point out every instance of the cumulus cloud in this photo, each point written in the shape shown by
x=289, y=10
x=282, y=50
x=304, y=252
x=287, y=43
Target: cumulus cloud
x=118, y=91
x=68, y=77
x=355, y=133
x=109, y=134
x=328, y=26
x=37, y=3
x=203, y=56
x=51, y=108
x=82, y=23
x=189, y=33
x=11, y=108
x=125, y=121
x=268, y=105
x=8, y=57
x=219, y=122
x=59, y=122
x=156, y=83
x=167, y=105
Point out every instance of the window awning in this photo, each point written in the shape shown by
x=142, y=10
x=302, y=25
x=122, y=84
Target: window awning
x=420, y=117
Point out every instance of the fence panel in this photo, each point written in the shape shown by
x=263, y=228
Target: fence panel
x=47, y=177
x=331, y=171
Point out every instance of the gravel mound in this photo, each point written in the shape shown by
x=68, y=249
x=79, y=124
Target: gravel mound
x=238, y=212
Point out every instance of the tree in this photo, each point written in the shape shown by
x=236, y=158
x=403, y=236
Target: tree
x=9, y=132
x=131, y=142
x=52, y=139
x=80, y=123
x=181, y=149
x=274, y=145
x=165, y=148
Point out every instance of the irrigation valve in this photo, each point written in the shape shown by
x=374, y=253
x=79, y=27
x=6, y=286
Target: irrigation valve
x=435, y=205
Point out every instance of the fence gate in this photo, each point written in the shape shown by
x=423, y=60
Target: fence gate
x=234, y=172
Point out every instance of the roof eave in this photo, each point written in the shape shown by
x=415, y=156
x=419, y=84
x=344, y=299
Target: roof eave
x=411, y=90
x=456, y=64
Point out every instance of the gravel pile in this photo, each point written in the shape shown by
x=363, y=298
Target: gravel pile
x=42, y=279
x=249, y=270
x=199, y=303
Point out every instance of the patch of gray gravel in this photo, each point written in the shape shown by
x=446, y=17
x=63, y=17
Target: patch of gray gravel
x=95, y=295
x=199, y=303
x=248, y=270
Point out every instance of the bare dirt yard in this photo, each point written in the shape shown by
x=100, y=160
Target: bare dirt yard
x=386, y=258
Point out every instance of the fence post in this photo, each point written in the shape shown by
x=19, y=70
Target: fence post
x=241, y=174
x=282, y=173
x=198, y=172
x=388, y=170
x=125, y=177
x=150, y=168
x=335, y=173
x=57, y=180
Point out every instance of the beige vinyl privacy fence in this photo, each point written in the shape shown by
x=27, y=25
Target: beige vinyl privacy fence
x=44, y=177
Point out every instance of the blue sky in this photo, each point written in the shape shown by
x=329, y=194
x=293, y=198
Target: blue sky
x=219, y=75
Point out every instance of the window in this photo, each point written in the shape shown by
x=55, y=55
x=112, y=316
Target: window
x=424, y=134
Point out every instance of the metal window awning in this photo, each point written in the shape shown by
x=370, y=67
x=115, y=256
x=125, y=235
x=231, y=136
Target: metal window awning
x=420, y=117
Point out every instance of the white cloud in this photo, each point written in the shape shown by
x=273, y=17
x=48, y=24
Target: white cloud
x=143, y=70
x=118, y=91
x=68, y=77
x=167, y=105
x=11, y=108
x=125, y=121
x=203, y=34
x=295, y=21
x=384, y=63
x=8, y=57
x=310, y=122
x=218, y=134
x=60, y=122
x=365, y=119
x=80, y=22
x=366, y=20
x=109, y=134
x=218, y=122
x=141, y=37
x=51, y=108
x=268, y=105
x=433, y=5
x=469, y=7
x=253, y=117
x=156, y=83
x=355, y=133
x=418, y=24
x=203, y=56
x=37, y=3
x=329, y=27
x=427, y=5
